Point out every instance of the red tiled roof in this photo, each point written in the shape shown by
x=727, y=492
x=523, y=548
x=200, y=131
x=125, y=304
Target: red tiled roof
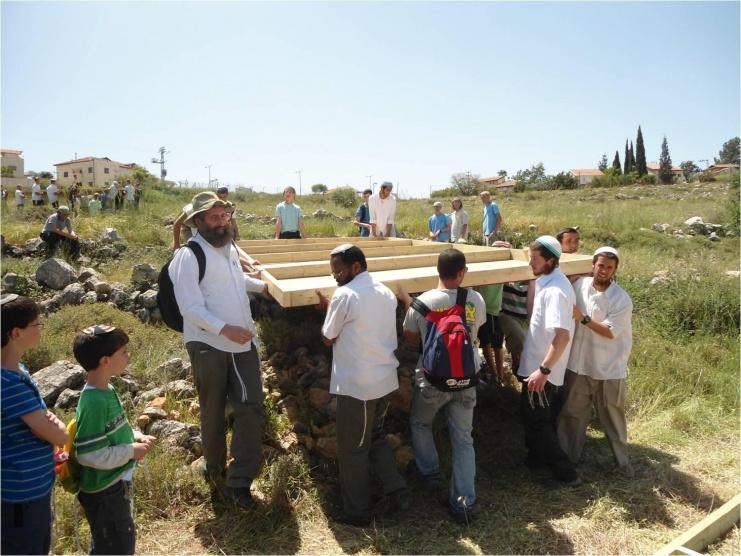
x=492, y=179
x=655, y=167
x=586, y=172
x=11, y=151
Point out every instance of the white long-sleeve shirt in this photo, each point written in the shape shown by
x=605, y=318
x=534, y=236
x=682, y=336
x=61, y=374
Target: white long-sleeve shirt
x=382, y=212
x=220, y=298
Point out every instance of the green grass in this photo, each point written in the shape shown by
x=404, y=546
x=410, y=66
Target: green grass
x=683, y=392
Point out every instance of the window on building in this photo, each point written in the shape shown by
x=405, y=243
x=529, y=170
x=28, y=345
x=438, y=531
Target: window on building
x=90, y=183
x=66, y=174
x=105, y=170
x=90, y=170
x=12, y=168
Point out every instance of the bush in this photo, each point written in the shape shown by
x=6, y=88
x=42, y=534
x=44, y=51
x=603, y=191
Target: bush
x=447, y=192
x=648, y=179
x=563, y=180
x=345, y=197
x=706, y=177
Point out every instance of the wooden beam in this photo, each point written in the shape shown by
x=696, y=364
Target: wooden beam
x=247, y=243
x=319, y=246
x=711, y=528
x=281, y=271
x=298, y=256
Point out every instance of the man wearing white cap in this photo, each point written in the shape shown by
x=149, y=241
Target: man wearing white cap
x=544, y=358
x=598, y=364
x=382, y=208
x=439, y=224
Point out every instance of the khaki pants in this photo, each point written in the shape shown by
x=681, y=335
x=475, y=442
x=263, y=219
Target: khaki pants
x=608, y=399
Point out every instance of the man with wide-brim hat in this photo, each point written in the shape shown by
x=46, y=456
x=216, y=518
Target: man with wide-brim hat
x=58, y=230
x=221, y=339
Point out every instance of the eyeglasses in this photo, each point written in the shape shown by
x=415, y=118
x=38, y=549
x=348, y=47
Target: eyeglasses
x=98, y=329
x=41, y=324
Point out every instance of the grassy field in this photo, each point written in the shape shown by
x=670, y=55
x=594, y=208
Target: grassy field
x=683, y=399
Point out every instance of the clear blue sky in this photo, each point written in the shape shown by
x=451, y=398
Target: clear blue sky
x=408, y=92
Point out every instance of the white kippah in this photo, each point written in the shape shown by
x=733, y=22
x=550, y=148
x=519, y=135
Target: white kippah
x=341, y=248
x=550, y=243
x=606, y=249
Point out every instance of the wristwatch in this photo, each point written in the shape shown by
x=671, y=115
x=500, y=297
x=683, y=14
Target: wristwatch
x=586, y=320
x=545, y=370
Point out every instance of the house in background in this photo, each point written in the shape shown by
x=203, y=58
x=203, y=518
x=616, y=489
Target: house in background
x=586, y=175
x=718, y=169
x=504, y=187
x=491, y=182
x=92, y=171
x=12, y=169
x=677, y=173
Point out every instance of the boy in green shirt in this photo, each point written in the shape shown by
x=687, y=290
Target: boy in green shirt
x=490, y=335
x=105, y=444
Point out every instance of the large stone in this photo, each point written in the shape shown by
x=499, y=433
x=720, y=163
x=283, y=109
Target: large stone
x=68, y=399
x=56, y=378
x=144, y=273
x=693, y=220
x=106, y=252
x=11, y=282
x=120, y=297
x=173, y=369
x=155, y=413
x=55, y=274
x=32, y=245
x=150, y=395
x=72, y=294
x=713, y=237
x=319, y=398
x=89, y=297
x=143, y=422
x=326, y=447
x=110, y=235
x=86, y=273
x=180, y=389
x=173, y=432
x=148, y=299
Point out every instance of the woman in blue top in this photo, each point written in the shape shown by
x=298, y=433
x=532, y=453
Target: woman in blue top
x=29, y=433
x=439, y=224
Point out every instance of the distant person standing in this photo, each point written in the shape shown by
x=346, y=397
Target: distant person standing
x=492, y=218
x=58, y=229
x=362, y=215
x=94, y=205
x=112, y=196
x=598, y=365
x=73, y=195
x=130, y=194
x=20, y=197
x=290, y=223
x=459, y=222
x=37, y=198
x=382, y=208
x=439, y=224
x=137, y=196
x=52, y=193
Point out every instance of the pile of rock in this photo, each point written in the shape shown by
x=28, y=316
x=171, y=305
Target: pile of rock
x=693, y=227
x=325, y=214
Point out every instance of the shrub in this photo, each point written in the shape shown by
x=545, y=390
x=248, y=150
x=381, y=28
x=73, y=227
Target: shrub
x=345, y=197
x=563, y=180
x=706, y=177
x=446, y=192
x=648, y=179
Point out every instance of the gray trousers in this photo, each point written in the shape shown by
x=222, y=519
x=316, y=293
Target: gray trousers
x=361, y=449
x=608, y=399
x=218, y=376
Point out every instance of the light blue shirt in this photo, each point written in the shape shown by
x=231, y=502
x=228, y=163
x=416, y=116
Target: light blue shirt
x=438, y=222
x=289, y=214
x=491, y=212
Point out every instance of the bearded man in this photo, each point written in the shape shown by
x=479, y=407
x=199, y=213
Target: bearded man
x=221, y=339
x=598, y=365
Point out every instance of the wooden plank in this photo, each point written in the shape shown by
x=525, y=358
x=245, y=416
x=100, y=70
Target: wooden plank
x=711, y=528
x=298, y=256
x=298, y=292
x=247, y=243
x=320, y=246
x=282, y=271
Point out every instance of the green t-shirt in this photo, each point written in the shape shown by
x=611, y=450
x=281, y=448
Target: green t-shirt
x=101, y=423
x=492, y=295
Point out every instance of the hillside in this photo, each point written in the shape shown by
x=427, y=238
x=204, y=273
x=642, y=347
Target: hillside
x=683, y=398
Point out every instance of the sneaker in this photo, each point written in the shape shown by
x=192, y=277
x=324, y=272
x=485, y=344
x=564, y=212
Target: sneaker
x=240, y=496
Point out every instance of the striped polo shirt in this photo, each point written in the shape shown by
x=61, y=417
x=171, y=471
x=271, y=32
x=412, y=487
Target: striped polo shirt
x=27, y=461
x=514, y=299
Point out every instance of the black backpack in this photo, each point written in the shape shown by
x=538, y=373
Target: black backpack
x=166, y=301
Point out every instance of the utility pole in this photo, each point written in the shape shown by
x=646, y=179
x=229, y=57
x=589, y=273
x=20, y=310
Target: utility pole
x=209, y=174
x=299, y=180
x=161, y=162
x=370, y=185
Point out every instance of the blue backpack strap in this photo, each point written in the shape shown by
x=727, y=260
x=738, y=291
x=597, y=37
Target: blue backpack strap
x=420, y=307
x=200, y=257
x=460, y=298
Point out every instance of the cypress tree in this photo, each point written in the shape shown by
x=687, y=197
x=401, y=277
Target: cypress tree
x=640, y=154
x=665, y=163
x=632, y=158
x=616, y=163
x=626, y=159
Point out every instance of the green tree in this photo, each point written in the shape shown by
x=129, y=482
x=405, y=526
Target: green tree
x=466, y=182
x=640, y=154
x=665, y=163
x=142, y=178
x=533, y=177
x=626, y=159
x=318, y=188
x=729, y=153
x=563, y=180
x=602, y=164
x=502, y=173
x=345, y=197
x=631, y=152
x=616, y=163
x=688, y=168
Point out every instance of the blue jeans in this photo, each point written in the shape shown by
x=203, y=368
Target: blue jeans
x=426, y=402
x=26, y=526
